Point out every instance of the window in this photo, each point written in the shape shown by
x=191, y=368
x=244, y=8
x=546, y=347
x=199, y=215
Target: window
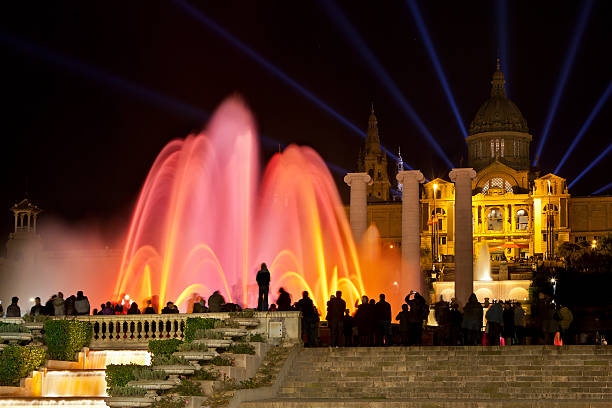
x=516, y=148
x=439, y=224
x=497, y=147
x=495, y=220
x=522, y=220
x=497, y=183
x=580, y=239
x=442, y=240
x=544, y=237
x=438, y=193
x=492, y=148
x=480, y=149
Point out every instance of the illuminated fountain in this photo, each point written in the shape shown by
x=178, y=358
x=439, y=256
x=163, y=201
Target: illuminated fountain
x=482, y=269
x=484, y=285
x=204, y=221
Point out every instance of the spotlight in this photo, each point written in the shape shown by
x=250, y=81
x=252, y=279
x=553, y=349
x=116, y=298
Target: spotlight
x=590, y=166
x=418, y=18
x=604, y=188
x=222, y=32
x=567, y=66
x=146, y=94
x=600, y=103
x=357, y=42
x=502, y=37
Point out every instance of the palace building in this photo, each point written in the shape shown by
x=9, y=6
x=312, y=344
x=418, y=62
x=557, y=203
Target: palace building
x=516, y=211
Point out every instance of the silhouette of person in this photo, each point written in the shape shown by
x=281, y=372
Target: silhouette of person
x=348, y=328
x=383, y=321
x=404, y=326
x=263, y=282
x=306, y=306
x=284, y=300
x=335, y=318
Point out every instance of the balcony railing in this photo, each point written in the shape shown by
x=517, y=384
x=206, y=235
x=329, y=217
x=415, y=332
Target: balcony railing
x=135, y=331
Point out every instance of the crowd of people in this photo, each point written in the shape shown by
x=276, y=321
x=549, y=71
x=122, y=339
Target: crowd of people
x=56, y=305
x=369, y=325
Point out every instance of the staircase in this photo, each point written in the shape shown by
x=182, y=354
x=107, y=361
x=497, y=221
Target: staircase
x=445, y=377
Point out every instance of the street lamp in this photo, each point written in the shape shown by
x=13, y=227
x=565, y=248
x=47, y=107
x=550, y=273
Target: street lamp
x=594, y=244
x=434, y=241
x=553, y=281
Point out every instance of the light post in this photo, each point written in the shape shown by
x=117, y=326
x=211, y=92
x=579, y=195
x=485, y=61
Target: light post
x=553, y=281
x=434, y=238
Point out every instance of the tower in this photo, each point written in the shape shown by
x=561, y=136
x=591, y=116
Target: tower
x=24, y=242
x=374, y=162
x=499, y=131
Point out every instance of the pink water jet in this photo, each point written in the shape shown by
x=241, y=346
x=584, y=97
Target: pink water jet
x=204, y=222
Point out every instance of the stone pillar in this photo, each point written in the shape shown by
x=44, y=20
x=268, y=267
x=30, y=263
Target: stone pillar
x=358, y=212
x=411, y=278
x=464, y=266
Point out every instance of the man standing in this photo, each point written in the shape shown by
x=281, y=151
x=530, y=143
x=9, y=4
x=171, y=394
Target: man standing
x=383, y=321
x=13, y=310
x=306, y=306
x=37, y=309
x=442, y=314
x=263, y=282
x=335, y=318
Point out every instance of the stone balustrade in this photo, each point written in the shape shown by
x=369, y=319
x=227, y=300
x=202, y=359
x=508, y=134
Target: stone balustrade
x=121, y=332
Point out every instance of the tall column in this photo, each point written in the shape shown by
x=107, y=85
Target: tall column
x=464, y=267
x=358, y=212
x=411, y=277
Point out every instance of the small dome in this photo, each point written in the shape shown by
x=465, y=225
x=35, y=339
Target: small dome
x=498, y=113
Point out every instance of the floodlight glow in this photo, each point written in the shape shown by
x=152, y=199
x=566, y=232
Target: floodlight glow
x=105, y=78
x=149, y=95
x=357, y=42
x=590, y=166
x=418, y=18
x=502, y=37
x=567, y=66
x=604, y=188
x=222, y=32
x=585, y=126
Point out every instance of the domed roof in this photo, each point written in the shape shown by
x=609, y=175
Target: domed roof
x=498, y=113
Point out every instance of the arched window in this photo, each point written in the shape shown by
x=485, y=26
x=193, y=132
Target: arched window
x=522, y=220
x=497, y=183
x=438, y=194
x=495, y=220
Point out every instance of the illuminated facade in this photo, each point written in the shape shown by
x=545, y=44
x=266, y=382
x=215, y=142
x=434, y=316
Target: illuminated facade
x=517, y=212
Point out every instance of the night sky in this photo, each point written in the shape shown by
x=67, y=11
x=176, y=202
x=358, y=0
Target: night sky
x=80, y=141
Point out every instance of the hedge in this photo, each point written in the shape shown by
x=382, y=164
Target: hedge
x=193, y=324
x=166, y=347
x=17, y=361
x=119, y=375
x=64, y=338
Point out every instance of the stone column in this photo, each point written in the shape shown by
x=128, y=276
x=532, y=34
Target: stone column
x=464, y=266
x=358, y=212
x=411, y=278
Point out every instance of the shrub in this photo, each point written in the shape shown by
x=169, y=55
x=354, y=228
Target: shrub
x=170, y=402
x=241, y=348
x=206, y=375
x=209, y=334
x=147, y=373
x=13, y=328
x=193, y=324
x=257, y=338
x=188, y=387
x=222, y=361
x=119, y=375
x=28, y=318
x=17, y=361
x=166, y=347
x=168, y=360
x=245, y=314
x=226, y=324
x=64, y=338
x=126, y=391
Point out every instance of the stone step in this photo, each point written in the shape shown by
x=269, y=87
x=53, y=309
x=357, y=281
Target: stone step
x=423, y=403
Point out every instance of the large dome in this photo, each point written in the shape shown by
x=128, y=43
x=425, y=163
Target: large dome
x=498, y=113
